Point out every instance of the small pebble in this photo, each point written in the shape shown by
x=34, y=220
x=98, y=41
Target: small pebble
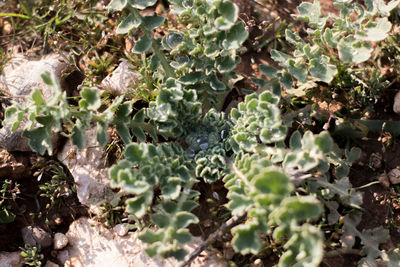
x=60, y=241
x=34, y=236
x=396, y=105
x=121, y=229
x=394, y=176
x=383, y=179
x=51, y=264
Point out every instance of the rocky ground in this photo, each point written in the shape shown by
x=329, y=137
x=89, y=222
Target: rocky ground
x=88, y=227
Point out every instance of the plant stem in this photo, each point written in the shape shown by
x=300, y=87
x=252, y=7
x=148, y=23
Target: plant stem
x=155, y=46
x=232, y=222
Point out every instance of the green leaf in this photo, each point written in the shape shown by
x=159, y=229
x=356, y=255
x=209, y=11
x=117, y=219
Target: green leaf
x=46, y=77
x=142, y=45
x=192, y=77
x=272, y=181
x=189, y=205
x=236, y=36
x=286, y=80
x=183, y=219
x=295, y=141
x=90, y=99
x=117, y=5
x=310, y=11
x=246, y=239
x=152, y=22
x=324, y=142
x=141, y=4
x=216, y=84
x=38, y=139
x=374, y=31
x=128, y=23
x=298, y=70
x=238, y=203
x=45, y=120
x=172, y=189
x=133, y=153
x=321, y=70
x=161, y=220
x=102, y=135
x=178, y=254
x=229, y=13
x=6, y=216
x=137, y=205
x=183, y=236
x=78, y=135
x=280, y=57
x=139, y=133
x=37, y=97
x=298, y=208
x=353, y=155
x=139, y=116
x=351, y=50
x=268, y=71
x=329, y=38
x=149, y=236
x=225, y=64
x=123, y=132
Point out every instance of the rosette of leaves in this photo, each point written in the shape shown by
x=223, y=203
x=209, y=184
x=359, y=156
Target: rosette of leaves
x=165, y=168
x=41, y=118
x=256, y=120
x=176, y=111
x=351, y=34
x=263, y=191
x=208, y=145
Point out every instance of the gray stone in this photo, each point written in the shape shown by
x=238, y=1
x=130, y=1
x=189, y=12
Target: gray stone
x=10, y=259
x=13, y=141
x=394, y=176
x=60, y=241
x=88, y=169
x=34, y=236
x=121, y=79
x=396, y=105
x=121, y=229
x=51, y=264
x=91, y=245
x=14, y=166
x=21, y=75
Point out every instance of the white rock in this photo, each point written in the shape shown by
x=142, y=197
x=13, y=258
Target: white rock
x=88, y=169
x=121, y=79
x=21, y=75
x=394, y=176
x=51, y=264
x=396, y=105
x=121, y=229
x=60, y=241
x=10, y=259
x=91, y=244
x=19, y=78
x=13, y=141
x=34, y=236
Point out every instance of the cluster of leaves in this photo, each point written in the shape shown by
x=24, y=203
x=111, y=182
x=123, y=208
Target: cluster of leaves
x=31, y=256
x=8, y=193
x=264, y=192
x=167, y=168
x=335, y=43
x=282, y=183
x=40, y=119
x=59, y=187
